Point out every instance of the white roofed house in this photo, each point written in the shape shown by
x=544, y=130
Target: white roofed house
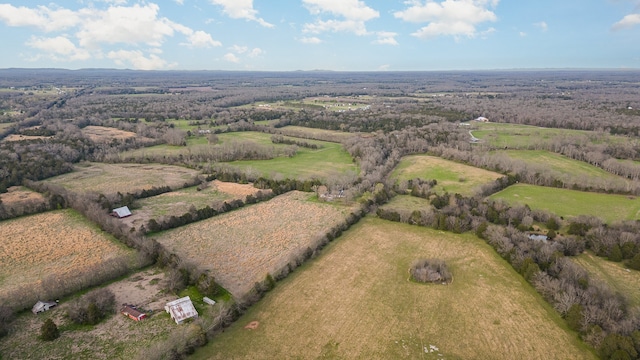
x=181, y=309
x=42, y=306
x=121, y=212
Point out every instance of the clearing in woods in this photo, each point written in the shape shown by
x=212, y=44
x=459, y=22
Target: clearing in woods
x=567, y=203
x=452, y=177
x=106, y=134
x=565, y=169
x=243, y=246
x=59, y=244
x=178, y=202
x=620, y=279
x=112, y=178
x=20, y=196
x=355, y=301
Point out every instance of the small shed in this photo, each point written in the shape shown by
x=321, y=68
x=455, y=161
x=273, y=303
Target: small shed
x=132, y=312
x=121, y=212
x=209, y=301
x=42, y=306
x=181, y=309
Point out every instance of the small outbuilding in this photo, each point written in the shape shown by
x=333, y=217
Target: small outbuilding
x=181, y=309
x=121, y=212
x=209, y=301
x=42, y=306
x=132, y=312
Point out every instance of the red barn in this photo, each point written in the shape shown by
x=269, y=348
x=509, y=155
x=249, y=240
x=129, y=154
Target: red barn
x=133, y=313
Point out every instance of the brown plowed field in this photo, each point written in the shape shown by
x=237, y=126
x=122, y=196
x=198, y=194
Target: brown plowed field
x=243, y=246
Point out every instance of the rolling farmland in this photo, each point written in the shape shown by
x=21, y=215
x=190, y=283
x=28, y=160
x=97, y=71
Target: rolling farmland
x=355, y=301
x=243, y=246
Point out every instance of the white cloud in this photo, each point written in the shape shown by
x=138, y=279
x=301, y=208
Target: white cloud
x=355, y=14
x=349, y=9
x=95, y=28
x=41, y=17
x=356, y=27
x=522, y=34
x=128, y=25
x=627, y=22
x=310, y=40
x=200, y=39
x=239, y=49
x=255, y=52
x=179, y=2
x=231, y=58
x=386, y=38
x=449, y=17
x=384, y=67
x=137, y=60
x=542, y=25
x=59, y=48
x=241, y=9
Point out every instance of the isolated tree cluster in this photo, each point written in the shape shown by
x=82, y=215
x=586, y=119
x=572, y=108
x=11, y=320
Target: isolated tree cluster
x=431, y=271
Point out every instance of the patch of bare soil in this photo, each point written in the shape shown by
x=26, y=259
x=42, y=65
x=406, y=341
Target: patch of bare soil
x=252, y=325
x=234, y=189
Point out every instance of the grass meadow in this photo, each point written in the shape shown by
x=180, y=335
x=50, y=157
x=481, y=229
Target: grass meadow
x=356, y=301
x=568, y=203
x=522, y=136
x=452, y=177
x=111, y=178
x=564, y=167
x=619, y=278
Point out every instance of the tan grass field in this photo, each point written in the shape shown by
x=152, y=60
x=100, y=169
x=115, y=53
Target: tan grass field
x=243, y=246
x=355, y=302
x=58, y=244
x=111, y=178
x=17, y=137
x=620, y=279
x=452, y=177
x=106, y=134
x=17, y=195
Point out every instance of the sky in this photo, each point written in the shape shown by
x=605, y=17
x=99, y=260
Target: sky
x=339, y=35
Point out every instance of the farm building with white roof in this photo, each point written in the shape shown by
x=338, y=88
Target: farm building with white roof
x=181, y=309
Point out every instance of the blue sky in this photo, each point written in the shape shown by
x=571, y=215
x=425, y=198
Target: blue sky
x=343, y=35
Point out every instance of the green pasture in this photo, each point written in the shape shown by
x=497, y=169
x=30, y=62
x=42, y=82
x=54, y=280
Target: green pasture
x=451, y=176
x=565, y=168
x=522, y=136
x=568, y=203
x=620, y=279
x=407, y=203
x=331, y=160
x=356, y=301
x=305, y=132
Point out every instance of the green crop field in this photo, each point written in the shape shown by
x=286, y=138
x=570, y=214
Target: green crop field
x=620, y=279
x=567, y=203
x=452, y=177
x=356, y=301
x=520, y=136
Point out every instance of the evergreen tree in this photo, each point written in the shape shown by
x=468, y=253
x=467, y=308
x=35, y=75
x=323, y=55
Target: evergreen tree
x=49, y=331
